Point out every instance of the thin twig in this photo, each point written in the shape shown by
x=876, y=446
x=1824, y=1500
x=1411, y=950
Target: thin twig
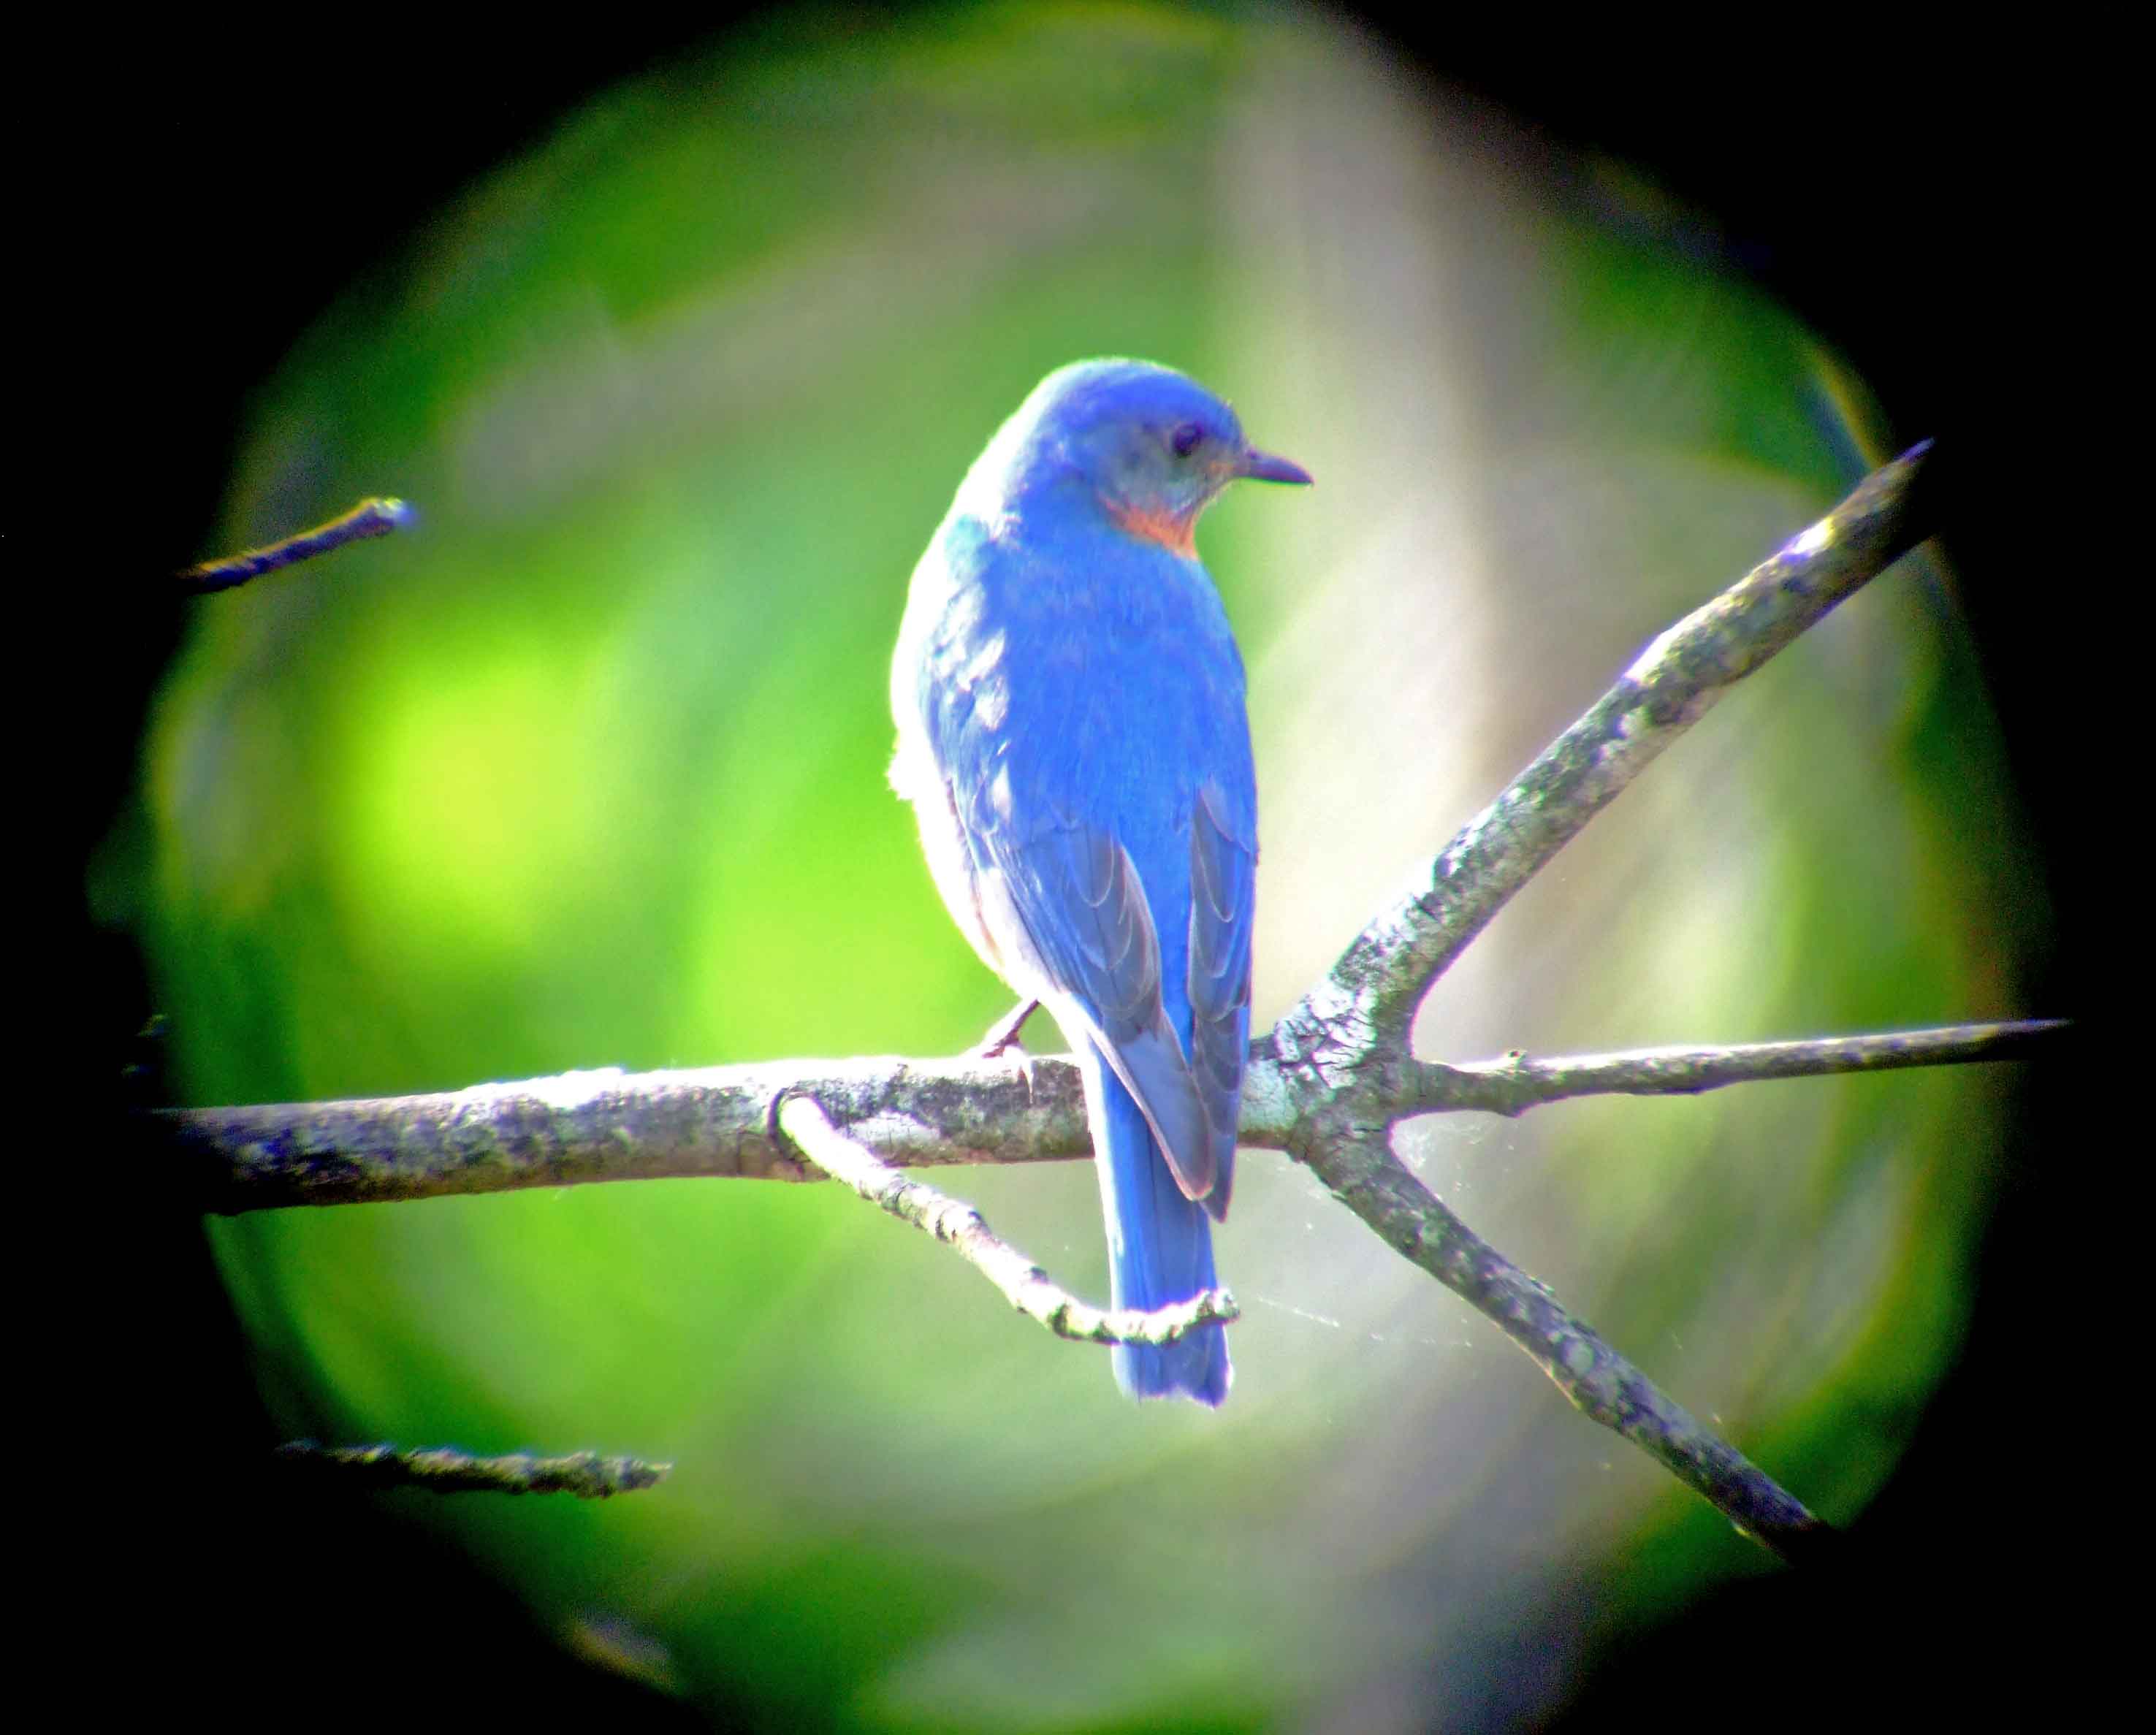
x=369, y=518
x=447, y=1471
x=1519, y=1082
x=1023, y=1284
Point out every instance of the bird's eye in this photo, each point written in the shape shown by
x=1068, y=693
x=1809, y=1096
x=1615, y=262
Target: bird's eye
x=1185, y=439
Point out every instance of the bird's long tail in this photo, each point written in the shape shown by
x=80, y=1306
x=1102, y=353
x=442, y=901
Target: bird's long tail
x=1160, y=1247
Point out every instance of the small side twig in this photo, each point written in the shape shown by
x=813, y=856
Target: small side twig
x=447, y=1471
x=1518, y=1082
x=1023, y=1284
x=369, y=518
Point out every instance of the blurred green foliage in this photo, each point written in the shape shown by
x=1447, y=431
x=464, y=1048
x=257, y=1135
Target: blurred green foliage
x=588, y=770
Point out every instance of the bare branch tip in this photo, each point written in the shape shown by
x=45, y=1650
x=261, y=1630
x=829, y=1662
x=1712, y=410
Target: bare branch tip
x=448, y=1470
x=375, y=516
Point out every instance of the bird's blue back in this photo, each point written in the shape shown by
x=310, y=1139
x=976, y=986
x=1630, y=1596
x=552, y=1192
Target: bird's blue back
x=1117, y=691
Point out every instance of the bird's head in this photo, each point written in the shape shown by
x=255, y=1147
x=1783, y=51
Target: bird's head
x=1151, y=446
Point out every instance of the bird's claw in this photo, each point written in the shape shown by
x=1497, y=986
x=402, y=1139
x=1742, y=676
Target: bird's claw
x=1002, y=1036
x=1000, y=1042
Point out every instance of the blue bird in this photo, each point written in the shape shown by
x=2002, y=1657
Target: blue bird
x=1072, y=737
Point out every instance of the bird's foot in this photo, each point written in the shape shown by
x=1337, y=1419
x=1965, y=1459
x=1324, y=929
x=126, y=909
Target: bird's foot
x=1000, y=1041
x=1002, y=1036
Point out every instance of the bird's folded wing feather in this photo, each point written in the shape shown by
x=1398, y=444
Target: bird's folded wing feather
x=1221, y=875
x=1074, y=895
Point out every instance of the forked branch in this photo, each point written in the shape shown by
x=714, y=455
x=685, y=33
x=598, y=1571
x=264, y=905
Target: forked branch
x=1326, y=1085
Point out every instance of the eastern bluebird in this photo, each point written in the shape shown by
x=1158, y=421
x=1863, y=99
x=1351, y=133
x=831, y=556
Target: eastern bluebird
x=1071, y=735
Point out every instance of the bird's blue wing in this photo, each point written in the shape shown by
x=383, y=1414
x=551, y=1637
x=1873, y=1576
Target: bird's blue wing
x=1068, y=757
x=1223, y=873
x=1069, y=898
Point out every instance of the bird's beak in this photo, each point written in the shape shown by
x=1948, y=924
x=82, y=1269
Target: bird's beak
x=1263, y=467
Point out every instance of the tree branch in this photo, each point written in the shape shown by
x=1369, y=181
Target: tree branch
x=369, y=518
x=1326, y=1085
x=1367, y=1178
x=1023, y=1284
x=714, y=1122
x=612, y=1126
x=1519, y=1082
x=1374, y=988
x=448, y=1471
